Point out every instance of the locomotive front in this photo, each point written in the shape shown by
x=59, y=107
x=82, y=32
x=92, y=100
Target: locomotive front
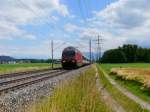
x=69, y=58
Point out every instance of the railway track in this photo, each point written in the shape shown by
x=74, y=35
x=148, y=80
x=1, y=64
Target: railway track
x=26, y=72
x=14, y=81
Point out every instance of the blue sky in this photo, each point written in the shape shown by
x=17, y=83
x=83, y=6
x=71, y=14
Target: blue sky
x=28, y=26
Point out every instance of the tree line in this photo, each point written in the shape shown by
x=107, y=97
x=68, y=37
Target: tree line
x=128, y=53
x=38, y=60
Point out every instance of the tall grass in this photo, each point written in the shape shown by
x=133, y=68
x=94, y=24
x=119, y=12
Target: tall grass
x=78, y=95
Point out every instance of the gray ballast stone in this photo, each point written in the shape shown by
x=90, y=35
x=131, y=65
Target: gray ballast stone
x=19, y=100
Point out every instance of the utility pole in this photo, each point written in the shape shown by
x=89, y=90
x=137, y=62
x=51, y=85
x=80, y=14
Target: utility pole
x=90, y=50
x=99, y=48
x=52, y=52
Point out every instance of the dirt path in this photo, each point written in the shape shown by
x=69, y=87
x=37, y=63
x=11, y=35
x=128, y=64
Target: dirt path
x=142, y=103
x=115, y=106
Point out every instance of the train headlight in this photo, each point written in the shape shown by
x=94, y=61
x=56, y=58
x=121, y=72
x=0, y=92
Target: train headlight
x=64, y=61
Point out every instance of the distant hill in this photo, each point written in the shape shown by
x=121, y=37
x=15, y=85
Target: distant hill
x=6, y=58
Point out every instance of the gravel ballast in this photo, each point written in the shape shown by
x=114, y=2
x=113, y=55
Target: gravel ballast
x=19, y=100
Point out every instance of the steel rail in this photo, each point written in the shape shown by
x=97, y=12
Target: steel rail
x=22, y=84
x=25, y=77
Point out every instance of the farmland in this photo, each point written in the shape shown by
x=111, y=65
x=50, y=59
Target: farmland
x=134, y=77
x=141, y=75
x=11, y=68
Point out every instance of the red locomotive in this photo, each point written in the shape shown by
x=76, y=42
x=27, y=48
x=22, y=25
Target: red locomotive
x=71, y=58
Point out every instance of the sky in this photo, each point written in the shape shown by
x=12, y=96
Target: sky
x=28, y=26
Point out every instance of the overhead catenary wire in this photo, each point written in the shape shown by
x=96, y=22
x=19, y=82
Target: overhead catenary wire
x=84, y=10
x=86, y=6
x=57, y=47
x=81, y=10
x=29, y=8
x=52, y=26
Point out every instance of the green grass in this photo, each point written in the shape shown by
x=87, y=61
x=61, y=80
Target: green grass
x=128, y=104
x=10, y=68
x=78, y=95
x=133, y=86
x=108, y=67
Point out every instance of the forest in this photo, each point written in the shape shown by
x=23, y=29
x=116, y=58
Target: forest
x=128, y=53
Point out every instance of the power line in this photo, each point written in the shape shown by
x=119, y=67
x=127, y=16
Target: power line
x=99, y=47
x=81, y=45
x=83, y=6
x=51, y=25
x=37, y=14
x=86, y=8
x=81, y=11
x=59, y=45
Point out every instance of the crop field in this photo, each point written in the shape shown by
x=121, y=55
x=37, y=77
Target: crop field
x=134, y=77
x=11, y=68
x=141, y=75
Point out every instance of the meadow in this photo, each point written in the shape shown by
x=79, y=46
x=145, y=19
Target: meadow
x=108, y=67
x=11, y=68
x=134, y=77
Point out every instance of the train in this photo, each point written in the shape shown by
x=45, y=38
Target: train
x=73, y=58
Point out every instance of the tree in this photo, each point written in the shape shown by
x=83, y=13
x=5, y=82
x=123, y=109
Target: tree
x=130, y=52
x=127, y=53
x=114, y=56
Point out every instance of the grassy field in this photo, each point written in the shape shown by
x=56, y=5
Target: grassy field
x=11, y=68
x=78, y=95
x=108, y=67
x=128, y=104
x=132, y=77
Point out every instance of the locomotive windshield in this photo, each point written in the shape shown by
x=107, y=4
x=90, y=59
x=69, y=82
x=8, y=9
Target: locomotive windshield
x=69, y=53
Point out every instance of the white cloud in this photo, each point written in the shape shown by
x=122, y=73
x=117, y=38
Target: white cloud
x=30, y=37
x=107, y=39
x=124, y=21
x=89, y=32
x=23, y=12
x=70, y=27
x=42, y=50
x=126, y=14
x=9, y=31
